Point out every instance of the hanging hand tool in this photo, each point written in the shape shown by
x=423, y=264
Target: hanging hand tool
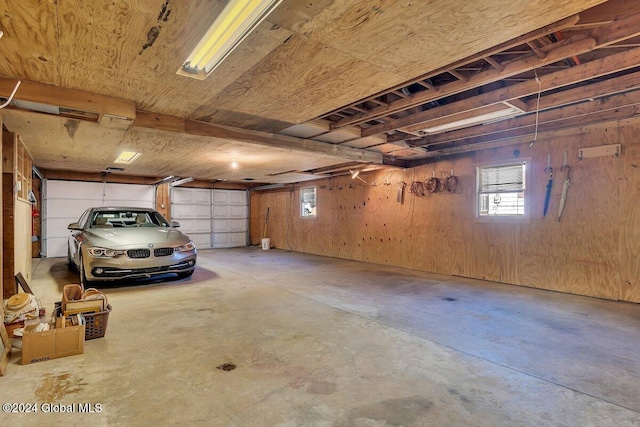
x=549, y=185
x=565, y=187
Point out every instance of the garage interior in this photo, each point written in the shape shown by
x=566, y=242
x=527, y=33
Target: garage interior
x=350, y=138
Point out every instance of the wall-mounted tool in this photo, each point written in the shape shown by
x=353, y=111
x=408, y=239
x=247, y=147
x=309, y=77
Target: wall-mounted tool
x=565, y=186
x=548, y=170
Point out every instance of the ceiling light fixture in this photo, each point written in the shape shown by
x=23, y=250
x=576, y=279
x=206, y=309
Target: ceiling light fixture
x=234, y=164
x=491, y=114
x=127, y=157
x=236, y=21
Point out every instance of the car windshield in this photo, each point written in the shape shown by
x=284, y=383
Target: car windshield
x=127, y=218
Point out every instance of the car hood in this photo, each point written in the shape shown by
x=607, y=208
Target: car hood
x=130, y=238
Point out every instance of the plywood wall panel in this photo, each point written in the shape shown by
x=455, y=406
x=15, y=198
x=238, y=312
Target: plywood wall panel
x=629, y=239
x=593, y=250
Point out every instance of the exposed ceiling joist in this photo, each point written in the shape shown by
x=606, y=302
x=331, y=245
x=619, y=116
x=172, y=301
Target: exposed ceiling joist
x=597, y=68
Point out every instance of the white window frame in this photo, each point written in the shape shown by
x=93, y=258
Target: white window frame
x=525, y=217
x=308, y=206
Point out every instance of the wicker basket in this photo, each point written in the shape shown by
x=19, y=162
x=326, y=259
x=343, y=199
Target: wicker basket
x=96, y=324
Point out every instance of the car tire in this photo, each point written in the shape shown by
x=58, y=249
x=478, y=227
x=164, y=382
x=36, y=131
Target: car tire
x=185, y=274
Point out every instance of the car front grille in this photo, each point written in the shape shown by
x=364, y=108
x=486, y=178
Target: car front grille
x=162, y=252
x=138, y=253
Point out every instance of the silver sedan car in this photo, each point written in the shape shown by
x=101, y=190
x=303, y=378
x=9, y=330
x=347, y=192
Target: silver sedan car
x=113, y=243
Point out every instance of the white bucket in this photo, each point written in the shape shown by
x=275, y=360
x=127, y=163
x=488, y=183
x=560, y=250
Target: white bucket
x=266, y=244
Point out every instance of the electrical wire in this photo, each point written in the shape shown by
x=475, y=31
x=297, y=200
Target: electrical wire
x=434, y=185
x=451, y=183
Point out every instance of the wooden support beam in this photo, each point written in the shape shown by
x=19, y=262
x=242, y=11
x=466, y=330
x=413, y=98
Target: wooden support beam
x=457, y=75
x=377, y=101
x=513, y=68
x=522, y=135
x=194, y=127
x=532, y=44
x=360, y=109
x=549, y=29
x=426, y=85
x=72, y=99
x=600, y=67
x=516, y=103
x=495, y=64
x=502, y=49
x=618, y=30
x=588, y=92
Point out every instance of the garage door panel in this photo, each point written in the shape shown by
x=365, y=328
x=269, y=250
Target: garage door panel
x=58, y=245
x=238, y=211
x=202, y=240
x=68, y=209
x=65, y=201
x=74, y=190
x=220, y=225
x=190, y=196
x=225, y=212
x=221, y=197
x=220, y=211
x=195, y=225
x=57, y=227
x=238, y=198
x=190, y=211
x=229, y=240
x=230, y=211
x=124, y=196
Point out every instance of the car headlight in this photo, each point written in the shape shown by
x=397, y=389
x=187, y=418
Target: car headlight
x=186, y=248
x=104, y=252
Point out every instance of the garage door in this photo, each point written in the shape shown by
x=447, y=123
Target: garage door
x=191, y=207
x=64, y=202
x=212, y=218
x=230, y=218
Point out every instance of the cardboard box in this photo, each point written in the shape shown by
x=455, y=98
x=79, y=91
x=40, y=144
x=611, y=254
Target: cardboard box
x=52, y=344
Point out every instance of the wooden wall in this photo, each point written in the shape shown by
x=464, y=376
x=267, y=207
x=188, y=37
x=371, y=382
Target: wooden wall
x=593, y=250
x=16, y=212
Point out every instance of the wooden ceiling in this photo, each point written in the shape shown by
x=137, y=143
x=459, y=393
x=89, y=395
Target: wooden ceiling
x=319, y=88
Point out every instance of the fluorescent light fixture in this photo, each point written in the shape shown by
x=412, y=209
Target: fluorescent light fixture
x=485, y=115
x=36, y=106
x=236, y=21
x=127, y=157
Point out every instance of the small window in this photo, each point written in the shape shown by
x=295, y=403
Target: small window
x=501, y=191
x=308, y=202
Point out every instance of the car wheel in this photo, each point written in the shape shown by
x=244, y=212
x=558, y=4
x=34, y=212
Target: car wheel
x=185, y=274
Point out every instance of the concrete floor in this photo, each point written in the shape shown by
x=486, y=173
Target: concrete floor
x=326, y=342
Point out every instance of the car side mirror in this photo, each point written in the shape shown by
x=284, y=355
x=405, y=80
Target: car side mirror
x=175, y=224
x=74, y=226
